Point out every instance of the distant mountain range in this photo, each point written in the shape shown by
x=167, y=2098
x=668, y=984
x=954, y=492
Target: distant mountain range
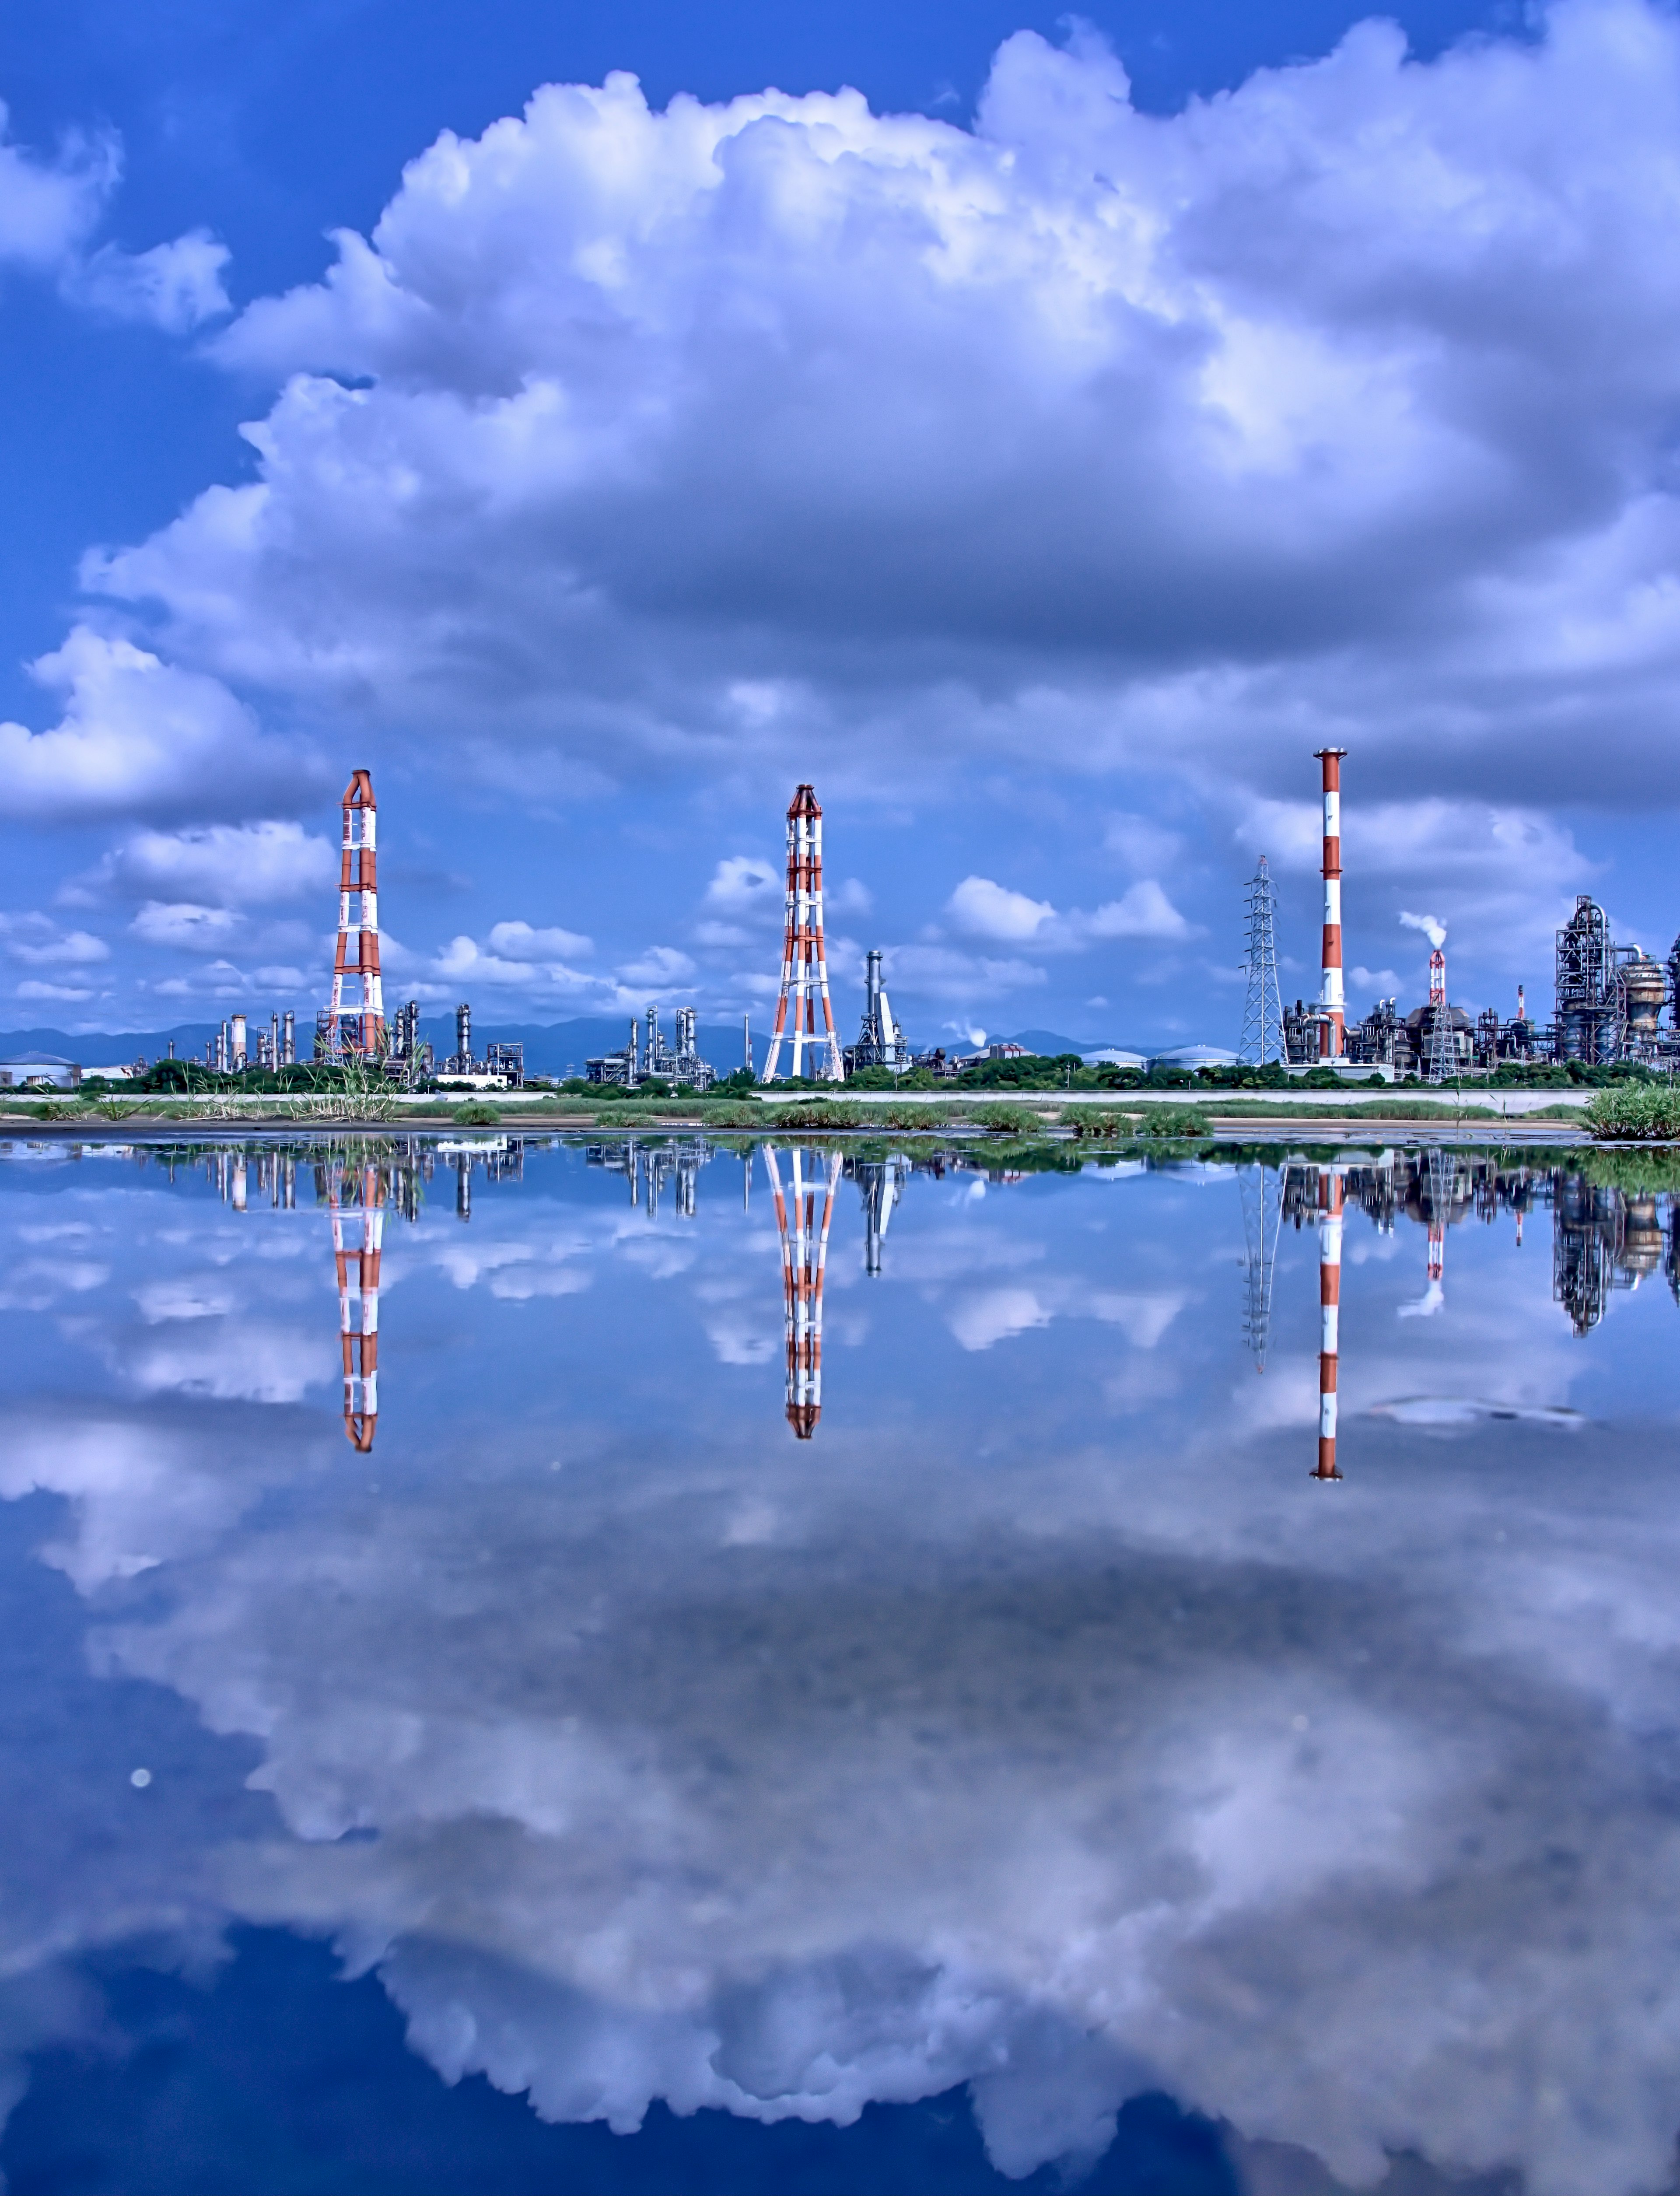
x=551, y=1048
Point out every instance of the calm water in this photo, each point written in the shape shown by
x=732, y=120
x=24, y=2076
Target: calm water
x=874, y=1759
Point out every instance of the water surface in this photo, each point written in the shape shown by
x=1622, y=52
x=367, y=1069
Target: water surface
x=739, y=1643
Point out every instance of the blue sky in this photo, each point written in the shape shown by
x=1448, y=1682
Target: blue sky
x=1042, y=446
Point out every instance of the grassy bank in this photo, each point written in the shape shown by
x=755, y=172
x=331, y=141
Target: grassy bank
x=1636, y=1112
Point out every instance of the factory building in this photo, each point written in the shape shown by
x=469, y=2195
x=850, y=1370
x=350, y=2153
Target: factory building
x=637, y=1063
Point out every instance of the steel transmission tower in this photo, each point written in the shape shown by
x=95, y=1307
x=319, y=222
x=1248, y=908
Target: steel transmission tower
x=1263, y=1010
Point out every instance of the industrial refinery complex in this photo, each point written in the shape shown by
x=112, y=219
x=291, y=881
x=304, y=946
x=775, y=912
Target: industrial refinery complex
x=1613, y=1003
x=1609, y=1000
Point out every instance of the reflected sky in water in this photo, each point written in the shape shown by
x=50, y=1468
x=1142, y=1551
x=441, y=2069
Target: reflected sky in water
x=778, y=1629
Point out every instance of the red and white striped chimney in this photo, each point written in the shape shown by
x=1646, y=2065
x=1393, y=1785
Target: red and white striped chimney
x=1330, y=1315
x=1332, y=1029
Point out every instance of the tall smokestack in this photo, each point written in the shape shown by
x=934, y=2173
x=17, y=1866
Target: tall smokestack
x=1333, y=1030
x=1330, y=1315
x=289, y=1039
x=357, y=1017
x=239, y=1043
x=1522, y=1010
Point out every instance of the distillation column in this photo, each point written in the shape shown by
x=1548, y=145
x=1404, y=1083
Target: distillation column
x=1330, y=1313
x=1333, y=1025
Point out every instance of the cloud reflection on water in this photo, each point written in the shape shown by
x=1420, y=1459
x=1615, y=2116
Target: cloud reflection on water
x=1028, y=1727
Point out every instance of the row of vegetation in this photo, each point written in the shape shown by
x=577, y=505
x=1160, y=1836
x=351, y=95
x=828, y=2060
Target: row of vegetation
x=1065, y=1071
x=1644, y=1113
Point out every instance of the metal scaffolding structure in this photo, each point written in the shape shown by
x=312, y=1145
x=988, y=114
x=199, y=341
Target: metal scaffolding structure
x=805, y=969
x=1263, y=1006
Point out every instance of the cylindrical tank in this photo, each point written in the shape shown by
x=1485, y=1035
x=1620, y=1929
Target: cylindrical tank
x=1645, y=988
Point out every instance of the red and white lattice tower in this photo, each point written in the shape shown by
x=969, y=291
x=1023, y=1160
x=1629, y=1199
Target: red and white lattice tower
x=1440, y=1181
x=1442, y=1062
x=804, y=970
x=356, y=1023
x=1330, y=1315
x=358, y=1229
x=1332, y=1002
x=805, y=1256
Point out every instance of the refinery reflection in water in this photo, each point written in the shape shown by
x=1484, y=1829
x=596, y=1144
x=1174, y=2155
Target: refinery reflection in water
x=1027, y=1720
x=1604, y=1238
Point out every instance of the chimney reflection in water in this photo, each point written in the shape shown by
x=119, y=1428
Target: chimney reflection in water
x=356, y=1200
x=1329, y=1310
x=805, y=1252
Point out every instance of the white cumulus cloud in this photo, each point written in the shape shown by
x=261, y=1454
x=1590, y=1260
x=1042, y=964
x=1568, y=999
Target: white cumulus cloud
x=239, y=865
x=181, y=923
x=518, y=941
x=1341, y=399
x=46, y=207
x=176, y=286
x=986, y=909
x=1142, y=911
x=137, y=734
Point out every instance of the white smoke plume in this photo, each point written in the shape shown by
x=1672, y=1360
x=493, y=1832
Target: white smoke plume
x=1435, y=931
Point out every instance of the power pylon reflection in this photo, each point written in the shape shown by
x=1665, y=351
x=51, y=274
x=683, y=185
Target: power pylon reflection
x=1263, y=1217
